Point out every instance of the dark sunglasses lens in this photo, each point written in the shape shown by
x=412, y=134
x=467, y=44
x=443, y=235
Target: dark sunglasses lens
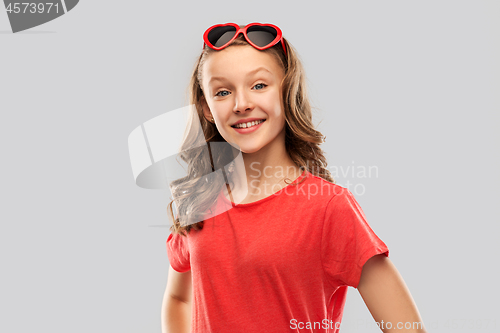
x=261, y=36
x=221, y=35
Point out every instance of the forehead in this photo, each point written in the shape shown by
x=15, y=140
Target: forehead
x=237, y=61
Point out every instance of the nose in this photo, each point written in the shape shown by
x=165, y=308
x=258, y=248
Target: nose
x=242, y=102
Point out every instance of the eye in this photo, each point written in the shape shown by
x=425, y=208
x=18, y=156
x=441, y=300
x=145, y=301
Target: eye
x=263, y=85
x=221, y=91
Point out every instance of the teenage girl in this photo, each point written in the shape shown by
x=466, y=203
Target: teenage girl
x=281, y=258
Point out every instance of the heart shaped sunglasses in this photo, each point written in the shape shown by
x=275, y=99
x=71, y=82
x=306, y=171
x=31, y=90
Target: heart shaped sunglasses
x=260, y=35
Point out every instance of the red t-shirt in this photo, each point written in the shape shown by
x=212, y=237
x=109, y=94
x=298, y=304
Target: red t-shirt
x=280, y=264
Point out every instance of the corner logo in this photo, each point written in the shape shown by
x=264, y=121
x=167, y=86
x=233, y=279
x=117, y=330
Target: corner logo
x=29, y=14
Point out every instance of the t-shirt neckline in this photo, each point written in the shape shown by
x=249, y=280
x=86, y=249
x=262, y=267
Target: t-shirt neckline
x=304, y=174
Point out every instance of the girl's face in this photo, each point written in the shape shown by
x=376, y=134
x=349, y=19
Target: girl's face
x=241, y=83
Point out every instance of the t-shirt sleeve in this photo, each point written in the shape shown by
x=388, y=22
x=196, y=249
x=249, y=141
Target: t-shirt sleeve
x=347, y=241
x=178, y=252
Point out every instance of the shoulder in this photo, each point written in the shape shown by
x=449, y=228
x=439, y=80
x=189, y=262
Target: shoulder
x=317, y=193
x=325, y=190
x=333, y=198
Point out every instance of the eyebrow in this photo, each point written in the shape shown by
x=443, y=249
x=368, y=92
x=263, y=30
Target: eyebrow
x=219, y=78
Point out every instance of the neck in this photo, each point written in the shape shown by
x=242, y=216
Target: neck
x=264, y=172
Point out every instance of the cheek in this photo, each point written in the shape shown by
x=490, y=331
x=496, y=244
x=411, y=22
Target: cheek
x=221, y=109
x=274, y=105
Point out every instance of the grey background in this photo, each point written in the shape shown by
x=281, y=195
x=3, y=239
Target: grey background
x=408, y=87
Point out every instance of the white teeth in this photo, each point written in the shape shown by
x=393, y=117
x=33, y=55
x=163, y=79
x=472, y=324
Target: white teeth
x=249, y=124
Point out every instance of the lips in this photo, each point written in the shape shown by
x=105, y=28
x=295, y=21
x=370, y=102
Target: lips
x=251, y=129
x=247, y=121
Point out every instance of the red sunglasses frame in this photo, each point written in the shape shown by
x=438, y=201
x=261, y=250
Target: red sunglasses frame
x=279, y=36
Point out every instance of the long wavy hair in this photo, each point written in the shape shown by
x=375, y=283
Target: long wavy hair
x=193, y=193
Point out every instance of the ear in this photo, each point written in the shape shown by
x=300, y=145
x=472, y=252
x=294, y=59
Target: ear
x=206, y=109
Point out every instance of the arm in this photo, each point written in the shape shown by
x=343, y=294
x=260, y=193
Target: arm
x=176, y=306
x=387, y=297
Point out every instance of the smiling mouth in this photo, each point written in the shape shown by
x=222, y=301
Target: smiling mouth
x=249, y=124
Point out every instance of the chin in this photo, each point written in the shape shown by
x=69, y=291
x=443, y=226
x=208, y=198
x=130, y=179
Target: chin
x=249, y=150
